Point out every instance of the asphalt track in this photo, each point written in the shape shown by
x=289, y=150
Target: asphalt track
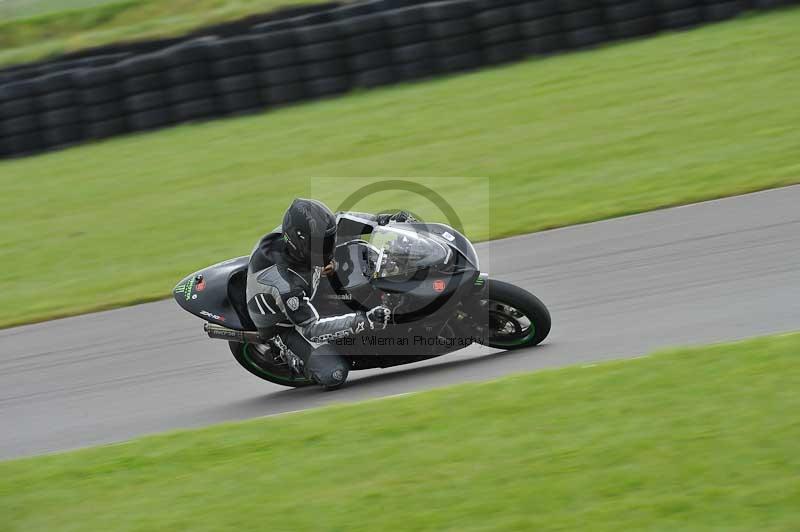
x=708, y=272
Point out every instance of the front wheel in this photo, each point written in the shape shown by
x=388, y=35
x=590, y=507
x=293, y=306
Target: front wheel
x=259, y=360
x=517, y=318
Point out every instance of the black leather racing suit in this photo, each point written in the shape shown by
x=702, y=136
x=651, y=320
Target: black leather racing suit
x=279, y=300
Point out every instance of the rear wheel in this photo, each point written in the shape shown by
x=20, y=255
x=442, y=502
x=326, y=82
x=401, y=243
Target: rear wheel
x=259, y=360
x=517, y=318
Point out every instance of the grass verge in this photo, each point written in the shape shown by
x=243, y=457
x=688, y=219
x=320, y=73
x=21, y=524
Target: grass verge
x=32, y=30
x=581, y=137
x=691, y=439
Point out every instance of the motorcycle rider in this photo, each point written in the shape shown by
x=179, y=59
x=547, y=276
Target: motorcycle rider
x=282, y=279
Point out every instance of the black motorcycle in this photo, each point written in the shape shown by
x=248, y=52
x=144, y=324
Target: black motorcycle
x=428, y=274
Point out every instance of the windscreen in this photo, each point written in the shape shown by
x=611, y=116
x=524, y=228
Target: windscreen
x=402, y=252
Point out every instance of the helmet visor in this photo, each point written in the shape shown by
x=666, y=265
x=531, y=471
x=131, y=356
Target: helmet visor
x=322, y=251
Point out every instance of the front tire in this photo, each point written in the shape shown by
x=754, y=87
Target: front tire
x=517, y=318
x=262, y=365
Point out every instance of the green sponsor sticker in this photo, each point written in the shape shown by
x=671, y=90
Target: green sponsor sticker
x=185, y=288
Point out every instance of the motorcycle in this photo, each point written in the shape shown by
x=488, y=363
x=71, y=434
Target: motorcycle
x=428, y=274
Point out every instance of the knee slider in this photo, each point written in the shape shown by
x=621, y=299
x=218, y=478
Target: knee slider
x=327, y=369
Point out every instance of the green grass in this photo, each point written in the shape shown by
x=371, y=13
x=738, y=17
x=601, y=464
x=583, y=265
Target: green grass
x=32, y=30
x=581, y=137
x=690, y=440
x=16, y=9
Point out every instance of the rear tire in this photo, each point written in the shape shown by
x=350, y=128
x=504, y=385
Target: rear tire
x=264, y=368
x=526, y=330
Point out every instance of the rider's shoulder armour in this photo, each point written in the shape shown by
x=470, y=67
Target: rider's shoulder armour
x=283, y=279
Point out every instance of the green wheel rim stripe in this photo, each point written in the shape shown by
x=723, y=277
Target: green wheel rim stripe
x=259, y=369
x=527, y=338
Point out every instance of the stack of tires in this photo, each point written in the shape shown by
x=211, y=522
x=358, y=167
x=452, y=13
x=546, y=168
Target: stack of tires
x=369, y=57
x=145, y=99
x=323, y=55
x=678, y=14
x=101, y=60
x=279, y=71
x=408, y=39
x=630, y=18
x=540, y=27
x=365, y=44
x=59, y=107
x=354, y=10
x=100, y=94
x=365, y=47
x=190, y=90
x=20, y=132
x=455, y=43
x=272, y=26
x=311, y=19
x=7, y=77
x=716, y=10
x=234, y=66
x=35, y=70
x=583, y=23
x=500, y=37
x=770, y=4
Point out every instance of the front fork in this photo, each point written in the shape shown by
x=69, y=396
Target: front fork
x=468, y=320
x=473, y=303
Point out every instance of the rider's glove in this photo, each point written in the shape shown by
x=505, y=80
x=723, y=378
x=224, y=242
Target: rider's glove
x=403, y=217
x=400, y=217
x=378, y=318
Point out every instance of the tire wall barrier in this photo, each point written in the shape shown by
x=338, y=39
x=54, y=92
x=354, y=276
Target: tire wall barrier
x=315, y=55
x=116, y=51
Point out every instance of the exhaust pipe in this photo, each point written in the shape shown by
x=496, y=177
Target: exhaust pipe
x=218, y=332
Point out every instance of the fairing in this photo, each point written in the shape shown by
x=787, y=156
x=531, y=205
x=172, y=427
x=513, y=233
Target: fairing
x=449, y=236
x=215, y=292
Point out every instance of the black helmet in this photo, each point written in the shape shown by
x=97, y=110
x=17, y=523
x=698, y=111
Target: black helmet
x=309, y=230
